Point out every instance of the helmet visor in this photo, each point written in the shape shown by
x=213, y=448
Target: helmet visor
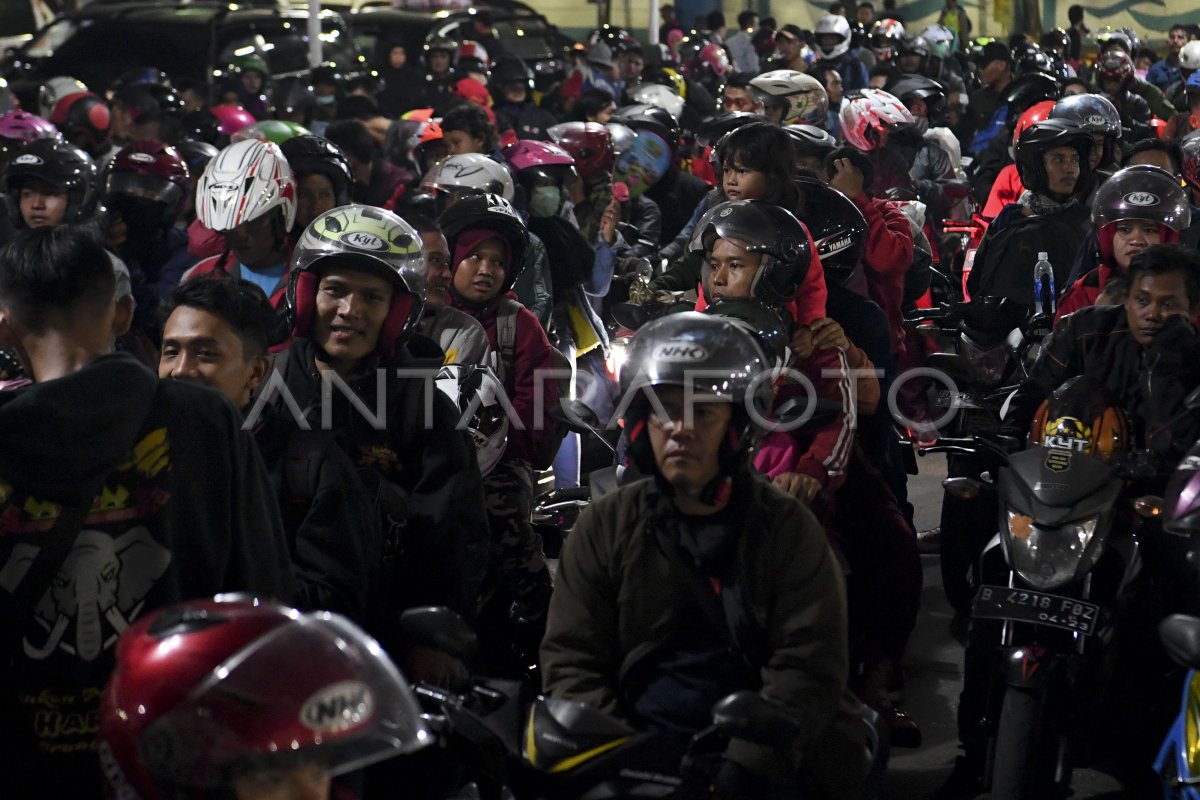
x=149, y=187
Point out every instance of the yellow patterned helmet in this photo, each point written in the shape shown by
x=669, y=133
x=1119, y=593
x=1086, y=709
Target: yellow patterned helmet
x=369, y=239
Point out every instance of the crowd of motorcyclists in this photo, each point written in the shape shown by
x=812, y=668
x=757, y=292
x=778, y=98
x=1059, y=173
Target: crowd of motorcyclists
x=310, y=345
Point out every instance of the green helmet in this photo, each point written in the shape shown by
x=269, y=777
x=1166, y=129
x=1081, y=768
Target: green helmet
x=271, y=130
x=369, y=239
x=251, y=62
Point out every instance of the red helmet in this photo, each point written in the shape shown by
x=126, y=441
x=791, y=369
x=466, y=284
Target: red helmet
x=589, y=143
x=1034, y=114
x=153, y=171
x=84, y=120
x=205, y=690
x=1115, y=65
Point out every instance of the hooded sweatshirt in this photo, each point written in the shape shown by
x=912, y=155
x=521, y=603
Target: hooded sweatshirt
x=182, y=509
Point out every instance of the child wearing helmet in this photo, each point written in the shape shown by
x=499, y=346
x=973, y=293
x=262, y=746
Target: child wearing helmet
x=751, y=248
x=355, y=294
x=248, y=195
x=226, y=693
x=1124, y=228
x=487, y=243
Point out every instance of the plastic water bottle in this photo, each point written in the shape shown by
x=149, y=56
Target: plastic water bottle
x=1043, y=282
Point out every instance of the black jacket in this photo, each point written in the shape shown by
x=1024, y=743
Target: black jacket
x=422, y=476
x=1149, y=383
x=1006, y=257
x=183, y=510
x=677, y=195
x=330, y=523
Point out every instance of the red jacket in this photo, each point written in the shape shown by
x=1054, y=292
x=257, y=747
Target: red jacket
x=1083, y=292
x=531, y=354
x=225, y=263
x=1007, y=189
x=886, y=260
x=821, y=453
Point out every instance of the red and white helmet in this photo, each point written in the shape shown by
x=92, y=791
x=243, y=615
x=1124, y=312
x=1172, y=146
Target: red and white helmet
x=800, y=98
x=886, y=36
x=870, y=113
x=473, y=57
x=244, y=182
x=206, y=690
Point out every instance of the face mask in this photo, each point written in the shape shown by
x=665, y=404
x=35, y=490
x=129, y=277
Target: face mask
x=1141, y=74
x=326, y=99
x=545, y=201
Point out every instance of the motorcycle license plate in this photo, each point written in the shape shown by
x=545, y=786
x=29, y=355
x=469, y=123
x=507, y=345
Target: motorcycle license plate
x=1039, y=608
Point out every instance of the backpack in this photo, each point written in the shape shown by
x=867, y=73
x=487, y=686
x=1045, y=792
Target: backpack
x=545, y=447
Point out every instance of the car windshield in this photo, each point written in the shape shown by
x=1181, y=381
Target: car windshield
x=98, y=52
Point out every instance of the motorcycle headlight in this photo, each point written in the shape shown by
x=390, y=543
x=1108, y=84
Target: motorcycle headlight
x=1191, y=727
x=987, y=365
x=1048, y=557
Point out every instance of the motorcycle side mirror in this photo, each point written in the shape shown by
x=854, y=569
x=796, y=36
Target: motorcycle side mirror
x=750, y=716
x=1180, y=635
x=440, y=628
x=630, y=315
x=1192, y=401
x=963, y=488
x=576, y=416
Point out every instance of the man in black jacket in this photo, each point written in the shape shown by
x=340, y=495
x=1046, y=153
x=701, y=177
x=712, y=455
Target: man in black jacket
x=1052, y=160
x=216, y=333
x=119, y=493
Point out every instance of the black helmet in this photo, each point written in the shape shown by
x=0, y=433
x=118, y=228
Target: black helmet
x=492, y=212
x=909, y=88
x=642, y=117
x=136, y=77
x=1035, y=60
x=308, y=154
x=764, y=228
x=1057, y=37
x=1026, y=91
x=1142, y=192
x=203, y=126
x=760, y=321
x=146, y=102
x=1040, y=138
x=837, y=226
x=85, y=120
x=715, y=357
x=196, y=155
x=59, y=164
x=1095, y=114
x=510, y=69
x=293, y=95
x=915, y=46
x=714, y=128
x=809, y=140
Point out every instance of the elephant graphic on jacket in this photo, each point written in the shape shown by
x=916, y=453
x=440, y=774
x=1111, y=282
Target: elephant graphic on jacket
x=102, y=579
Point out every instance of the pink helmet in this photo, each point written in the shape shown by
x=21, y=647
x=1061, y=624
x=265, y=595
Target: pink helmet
x=231, y=118
x=526, y=153
x=23, y=127
x=872, y=112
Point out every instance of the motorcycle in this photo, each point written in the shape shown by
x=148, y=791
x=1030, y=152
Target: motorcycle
x=1070, y=551
x=564, y=750
x=988, y=340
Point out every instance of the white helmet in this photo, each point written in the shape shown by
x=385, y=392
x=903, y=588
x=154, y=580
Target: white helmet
x=1189, y=56
x=56, y=89
x=476, y=388
x=941, y=40
x=472, y=173
x=828, y=25
x=659, y=96
x=800, y=97
x=243, y=182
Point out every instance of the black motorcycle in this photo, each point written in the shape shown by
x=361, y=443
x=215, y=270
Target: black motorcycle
x=1070, y=546
x=987, y=345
